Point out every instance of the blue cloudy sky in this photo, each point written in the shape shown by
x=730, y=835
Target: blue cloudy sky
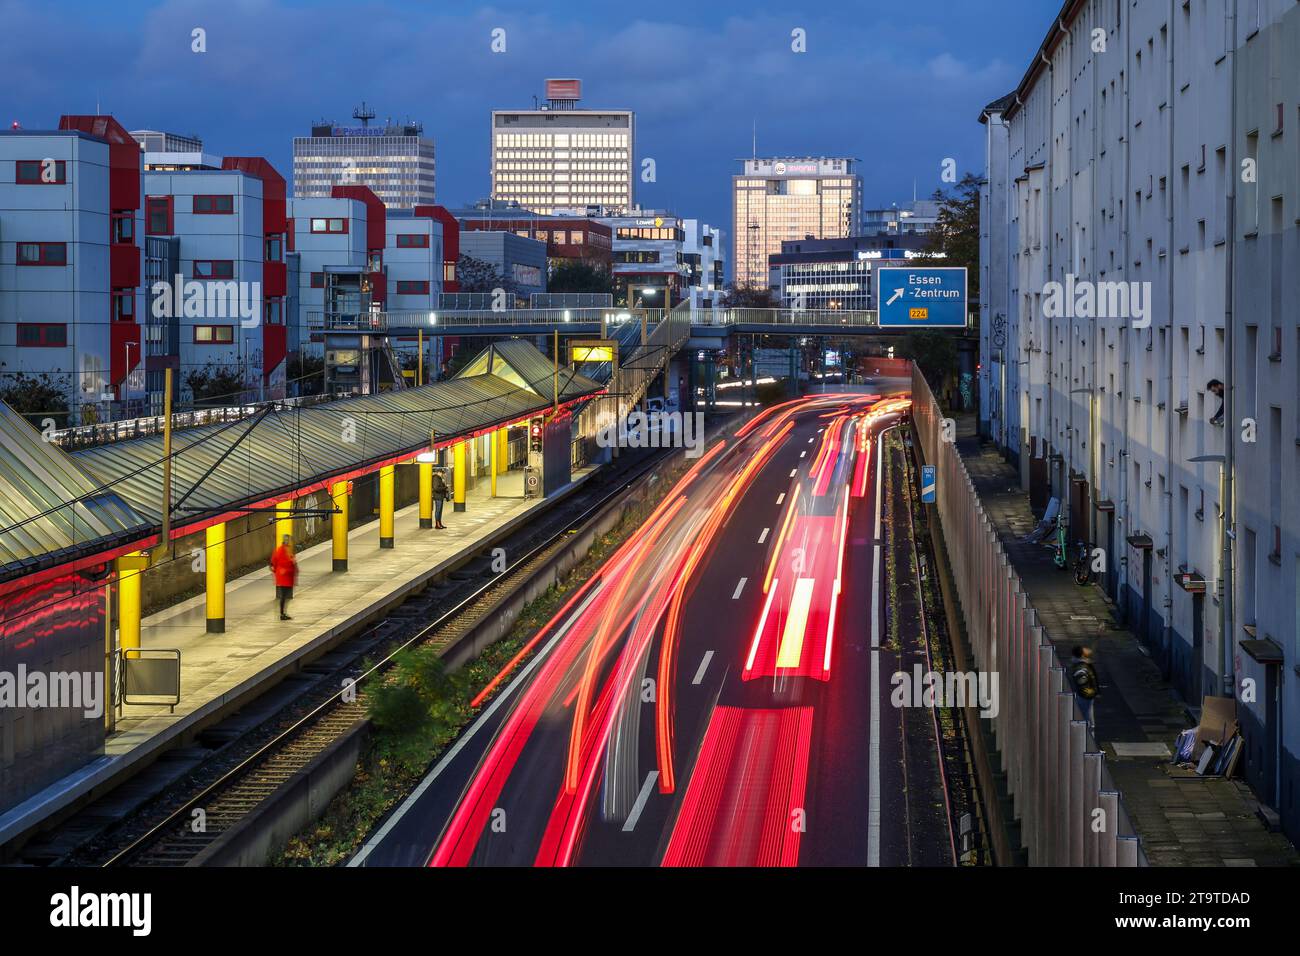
x=898, y=84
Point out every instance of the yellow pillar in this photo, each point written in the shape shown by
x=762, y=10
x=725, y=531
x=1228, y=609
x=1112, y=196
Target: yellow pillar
x=503, y=450
x=386, y=482
x=129, y=579
x=458, y=476
x=339, y=524
x=214, y=555
x=426, y=494
x=494, y=450
x=283, y=521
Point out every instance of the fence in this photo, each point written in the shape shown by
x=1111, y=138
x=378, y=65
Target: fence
x=1062, y=793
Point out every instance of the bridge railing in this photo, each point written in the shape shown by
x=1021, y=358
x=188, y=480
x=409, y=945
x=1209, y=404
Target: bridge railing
x=1070, y=812
x=436, y=320
x=785, y=317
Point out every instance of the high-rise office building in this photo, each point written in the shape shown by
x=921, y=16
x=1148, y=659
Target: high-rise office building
x=560, y=157
x=782, y=199
x=394, y=160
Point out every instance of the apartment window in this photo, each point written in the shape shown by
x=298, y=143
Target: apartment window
x=214, y=269
x=412, y=287
x=42, y=253
x=123, y=306
x=158, y=216
x=274, y=250
x=214, y=205
x=329, y=225
x=318, y=280
x=40, y=172
x=273, y=312
x=50, y=335
x=123, y=227
x=214, y=334
x=412, y=240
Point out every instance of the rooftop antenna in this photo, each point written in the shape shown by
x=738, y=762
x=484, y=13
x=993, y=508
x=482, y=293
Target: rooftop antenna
x=363, y=113
x=754, y=145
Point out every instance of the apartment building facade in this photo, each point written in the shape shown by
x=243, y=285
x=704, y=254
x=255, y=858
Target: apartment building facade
x=71, y=263
x=1139, y=244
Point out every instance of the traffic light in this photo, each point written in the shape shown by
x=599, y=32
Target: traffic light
x=535, y=435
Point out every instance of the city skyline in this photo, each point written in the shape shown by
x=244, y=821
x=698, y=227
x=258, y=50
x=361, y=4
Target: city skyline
x=740, y=68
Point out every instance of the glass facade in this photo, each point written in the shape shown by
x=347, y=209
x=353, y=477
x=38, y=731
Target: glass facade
x=778, y=201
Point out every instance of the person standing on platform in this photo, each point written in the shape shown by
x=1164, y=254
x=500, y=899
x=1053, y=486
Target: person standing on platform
x=285, y=567
x=440, y=494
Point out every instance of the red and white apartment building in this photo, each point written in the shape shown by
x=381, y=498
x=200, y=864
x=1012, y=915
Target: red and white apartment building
x=118, y=261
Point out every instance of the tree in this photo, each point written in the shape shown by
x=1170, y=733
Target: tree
x=748, y=297
x=577, y=275
x=306, y=373
x=476, y=275
x=957, y=233
x=216, y=385
x=934, y=352
x=36, y=397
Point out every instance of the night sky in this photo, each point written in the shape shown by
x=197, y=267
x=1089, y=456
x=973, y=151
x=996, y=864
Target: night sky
x=898, y=84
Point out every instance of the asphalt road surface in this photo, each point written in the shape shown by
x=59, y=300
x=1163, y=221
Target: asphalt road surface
x=712, y=697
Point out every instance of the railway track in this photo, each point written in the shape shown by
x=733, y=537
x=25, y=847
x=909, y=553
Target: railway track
x=227, y=787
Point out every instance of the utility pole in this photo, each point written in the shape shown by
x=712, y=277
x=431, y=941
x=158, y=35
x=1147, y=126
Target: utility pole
x=165, y=538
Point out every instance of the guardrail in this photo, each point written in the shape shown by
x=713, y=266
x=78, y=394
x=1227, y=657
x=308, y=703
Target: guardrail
x=1070, y=811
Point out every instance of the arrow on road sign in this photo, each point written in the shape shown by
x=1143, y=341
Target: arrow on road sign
x=898, y=294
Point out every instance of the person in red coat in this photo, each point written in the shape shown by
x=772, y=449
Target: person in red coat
x=285, y=567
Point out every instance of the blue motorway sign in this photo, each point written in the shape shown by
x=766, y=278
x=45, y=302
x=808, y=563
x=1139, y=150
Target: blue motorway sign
x=928, y=484
x=921, y=298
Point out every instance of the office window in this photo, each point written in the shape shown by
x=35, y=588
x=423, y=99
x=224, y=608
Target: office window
x=214, y=205
x=40, y=172
x=214, y=334
x=214, y=269
x=329, y=225
x=51, y=335
x=42, y=253
x=123, y=306
x=412, y=287
x=158, y=216
x=412, y=241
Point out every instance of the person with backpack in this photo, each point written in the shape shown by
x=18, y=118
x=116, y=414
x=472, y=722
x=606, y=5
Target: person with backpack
x=440, y=494
x=285, y=567
x=1084, y=677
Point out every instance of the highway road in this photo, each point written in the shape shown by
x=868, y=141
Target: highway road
x=716, y=696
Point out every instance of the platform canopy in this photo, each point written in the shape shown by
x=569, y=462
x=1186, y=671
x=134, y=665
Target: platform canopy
x=110, y=493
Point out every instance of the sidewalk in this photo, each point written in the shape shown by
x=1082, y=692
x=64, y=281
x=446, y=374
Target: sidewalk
x=1183, y=819
x=257, y=647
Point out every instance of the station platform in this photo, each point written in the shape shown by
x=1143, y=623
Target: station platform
x=257, y=648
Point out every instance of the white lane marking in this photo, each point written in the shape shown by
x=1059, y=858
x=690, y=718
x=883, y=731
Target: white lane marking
x=811, y=440
x=803, y=454
x=382, y=832
x=641, y=798
x=794, y=472
x=763, y=537
x=704, y=666
x=780, y=498
x=873, y=806
x=739, y=587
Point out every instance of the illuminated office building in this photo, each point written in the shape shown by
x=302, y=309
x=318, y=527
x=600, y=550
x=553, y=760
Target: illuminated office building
x=781, y=200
